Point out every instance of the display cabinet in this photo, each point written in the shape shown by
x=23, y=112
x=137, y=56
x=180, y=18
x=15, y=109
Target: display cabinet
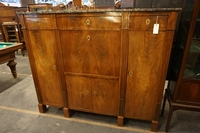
x=183, y=90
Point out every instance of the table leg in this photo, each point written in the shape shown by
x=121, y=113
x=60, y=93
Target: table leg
x=12, y=66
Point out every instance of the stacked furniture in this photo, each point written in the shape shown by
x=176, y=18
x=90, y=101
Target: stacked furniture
x=103, y=61
x=11, y=31
x=7, y=14
x=10, y=27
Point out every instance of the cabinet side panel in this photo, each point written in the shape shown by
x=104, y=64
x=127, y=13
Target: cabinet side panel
x=42, y=47
x=105, y=96
x=79, y=93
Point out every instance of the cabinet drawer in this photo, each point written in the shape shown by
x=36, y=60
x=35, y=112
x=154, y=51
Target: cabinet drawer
x=147, y=22
x=40, y=22
x=96, y=22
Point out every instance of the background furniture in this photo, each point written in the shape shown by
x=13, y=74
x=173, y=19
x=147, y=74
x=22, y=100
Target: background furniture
x=11, y=31
x=25, y=3
x=7, y=14
x=183, y=90
x=106, y=61
x=45, y=6
x=7, y=54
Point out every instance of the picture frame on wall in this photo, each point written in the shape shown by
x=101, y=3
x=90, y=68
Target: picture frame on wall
x=127, y=3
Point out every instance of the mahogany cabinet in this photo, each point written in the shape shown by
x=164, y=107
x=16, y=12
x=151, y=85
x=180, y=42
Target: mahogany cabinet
x=101, y=61
x=183, y=91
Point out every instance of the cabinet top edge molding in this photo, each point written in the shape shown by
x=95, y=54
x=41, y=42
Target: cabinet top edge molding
x=103, y=10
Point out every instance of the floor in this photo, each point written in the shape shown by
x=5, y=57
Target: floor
x=19, y=112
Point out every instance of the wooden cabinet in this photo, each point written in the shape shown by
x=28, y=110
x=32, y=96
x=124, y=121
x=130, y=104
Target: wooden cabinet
x=183, y=90
x=109, y=62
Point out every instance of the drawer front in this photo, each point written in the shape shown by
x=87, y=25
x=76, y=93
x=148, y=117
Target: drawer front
x=43, y=22
x=101, y=22
x=146, y=22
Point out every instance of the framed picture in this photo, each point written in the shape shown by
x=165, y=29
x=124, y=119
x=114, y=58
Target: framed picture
x=127, y=3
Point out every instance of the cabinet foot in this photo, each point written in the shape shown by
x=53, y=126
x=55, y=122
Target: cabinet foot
x=66, y=112
x=42, y=108
x=120, y=121
x=154, y=126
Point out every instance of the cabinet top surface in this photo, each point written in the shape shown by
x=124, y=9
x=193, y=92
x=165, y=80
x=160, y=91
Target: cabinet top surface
x=103, y=10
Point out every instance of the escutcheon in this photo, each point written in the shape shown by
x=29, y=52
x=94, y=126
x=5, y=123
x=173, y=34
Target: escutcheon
x=148, y=21
x=87, y=22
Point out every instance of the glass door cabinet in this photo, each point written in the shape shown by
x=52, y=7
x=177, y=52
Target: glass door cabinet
x=183, y=90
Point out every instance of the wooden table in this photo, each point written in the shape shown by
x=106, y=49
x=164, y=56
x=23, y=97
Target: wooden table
x=7, y=54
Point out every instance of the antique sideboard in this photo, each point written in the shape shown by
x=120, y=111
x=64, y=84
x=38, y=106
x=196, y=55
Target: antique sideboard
x=104, y=61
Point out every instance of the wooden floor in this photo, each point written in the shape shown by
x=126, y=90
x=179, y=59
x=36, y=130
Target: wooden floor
x=19, y=112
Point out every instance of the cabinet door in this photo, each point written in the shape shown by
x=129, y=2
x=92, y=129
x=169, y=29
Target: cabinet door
x=146, y=58
x=93, y=94
x=105, y=96
x=43, y=59
x=78, y=92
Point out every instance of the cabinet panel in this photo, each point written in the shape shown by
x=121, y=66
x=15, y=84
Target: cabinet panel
x=44, y=57
x=40, y=22
x=146, y=59
x=146, y=22
x=189, y=93
x=89, y=21
x=105, y=97
x=79, y=92
x=92, y=52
